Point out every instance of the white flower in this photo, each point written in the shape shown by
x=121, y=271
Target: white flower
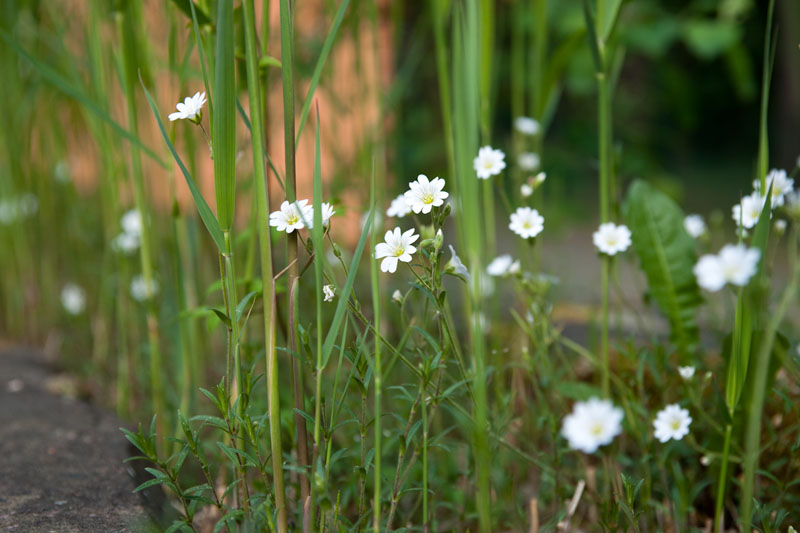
x=611, y=239
x=502, y=265
x=61, y=172
x=686, y=372
x=695, y=226
x=735, y=264
x=191, y=108
x=397, y=296
x=592, y=424
x=455, y=265
x=327, y=213
x=489, y=162
x=780, y=226
x=781, y=186
x=330, y=292
x=746, y=212
x=672, y=422
x=290, y=216
x=526, y=222
x=739, y=263
x=125, y=243
x=526, y=190
x=539, y=179
x=528, y=161
x=527, y=125
x=399, y=207
x=131, y=222
x=141, y=290
x=73, y=298
x=424, y=195
x=397, y=247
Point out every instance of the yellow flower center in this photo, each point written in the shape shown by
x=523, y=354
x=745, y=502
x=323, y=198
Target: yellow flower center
x=488, y=164
x=675, y=424
x=427, y=198
x=526, y=225
x=596, y=430
x=399, y=251
x=292, y=219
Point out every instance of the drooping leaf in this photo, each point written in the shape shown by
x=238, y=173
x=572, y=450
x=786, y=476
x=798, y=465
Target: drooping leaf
x=666, y=253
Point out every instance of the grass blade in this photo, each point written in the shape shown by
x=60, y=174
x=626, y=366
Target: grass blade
x=223, y=127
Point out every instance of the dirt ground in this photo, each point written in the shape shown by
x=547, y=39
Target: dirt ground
x=61, y=466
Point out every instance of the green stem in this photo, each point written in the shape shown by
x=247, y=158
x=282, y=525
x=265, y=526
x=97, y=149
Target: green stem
x=604, y=358
x=760, y=378
x=723, y=479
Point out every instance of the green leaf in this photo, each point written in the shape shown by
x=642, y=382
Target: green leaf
x=709, y=38
x=667, y=258
x=210, y=221
x=223, y=127
x=265, y=62
x=186, y=7
x=607, y=17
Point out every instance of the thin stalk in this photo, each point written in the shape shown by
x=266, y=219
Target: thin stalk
x=377, y=376
x=265, y=257
x=723, y=479
x=604, y=357
x=424, y=459
x=287, y=71
x=127, y=33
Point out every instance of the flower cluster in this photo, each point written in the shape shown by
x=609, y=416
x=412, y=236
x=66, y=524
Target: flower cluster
x=128, y=241
x=748, y=210
x=298, y=215
x=734, y=264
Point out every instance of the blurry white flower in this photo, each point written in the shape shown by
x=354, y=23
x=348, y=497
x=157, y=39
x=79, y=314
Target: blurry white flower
x=672, y=422
x=73, y=299
x=125, y=243
x=592, y=424
x=746, y=212
x=781, y=186
x=424, y=195
x=399, y=207
x=527, y=125
x=526, y=190
x=8, y=211
x=397, y=247
x=327, y=213
x=290, y=216
x=686, y=372
x=705, y=460
x=455, y=265
x=489, y=162
x=735, y=264
x=695, y=226
x=780, y=226
x=131, y=222
x=502, y=265
x=528, y=161
x=526, y=222
x=28, y=204
x=539, y=179
x=61, y=172
x=329, y=291
x=611, y=239
x=141, y=290
x=191, y=108
x=397, y=296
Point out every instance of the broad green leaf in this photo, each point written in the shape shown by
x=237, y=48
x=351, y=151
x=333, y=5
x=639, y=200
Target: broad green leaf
x=667, y=257
x=223, y=127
